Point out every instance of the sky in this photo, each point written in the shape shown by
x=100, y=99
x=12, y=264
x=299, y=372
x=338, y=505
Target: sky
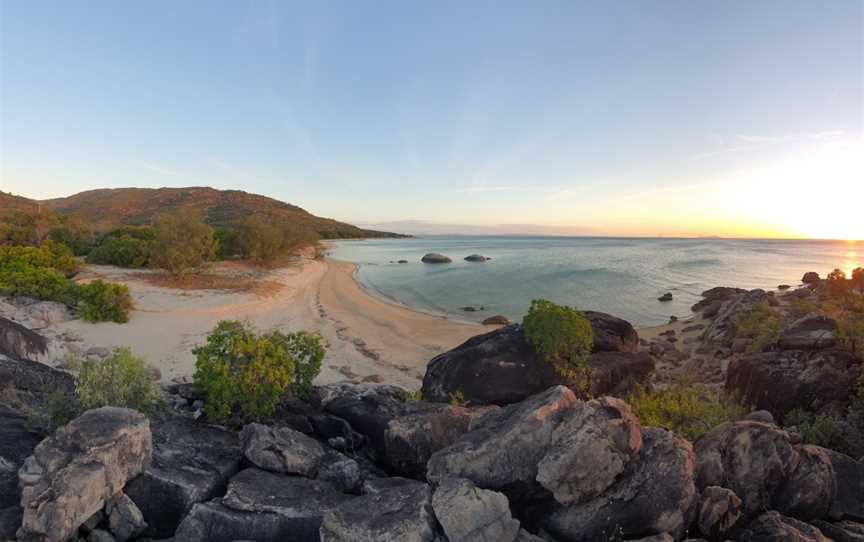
x=734, y=118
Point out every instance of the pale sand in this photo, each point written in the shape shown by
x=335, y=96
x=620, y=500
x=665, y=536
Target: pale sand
x=366, y=336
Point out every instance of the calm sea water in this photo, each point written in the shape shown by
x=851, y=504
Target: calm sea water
x=623, y=277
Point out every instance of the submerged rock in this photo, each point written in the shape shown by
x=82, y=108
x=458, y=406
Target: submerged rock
x=434, y=257
x=476, y=258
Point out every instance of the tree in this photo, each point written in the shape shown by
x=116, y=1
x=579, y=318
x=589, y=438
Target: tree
x=858, y=278
x=259, y=240
x=183, y=243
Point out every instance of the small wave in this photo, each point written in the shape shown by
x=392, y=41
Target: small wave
x=698, y=262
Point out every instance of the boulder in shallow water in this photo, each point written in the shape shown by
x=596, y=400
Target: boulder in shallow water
x=74, y=473
x=476, y=258
x=434, y=257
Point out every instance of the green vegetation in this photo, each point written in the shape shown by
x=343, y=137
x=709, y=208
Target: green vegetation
x=802, y=307
x=124, y=247
x=415, y=396
x=687, y=409
x=239, y=370
x=457, y=399
x=120, y=380
x=762, y=326
x=182, y=244
x=43, y=272
x=844, y=433
x=563, y=336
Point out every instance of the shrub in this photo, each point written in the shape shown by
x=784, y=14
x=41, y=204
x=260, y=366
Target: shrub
x=239, y=370
x=821, y=430
x=183, y=243
x=122, y=251
x=259, y=240
x=850, y=330
x=837, y=284
x=686, y=409
x=762, y=325
x=227, y=243
x=58, y=409
x=48, y=255
x=100, y=301
x=80, y=242
x=40, y=282
x=563, y=337
x=457, y=399
x=858, y=278
x=802, y=307
x=120, y=380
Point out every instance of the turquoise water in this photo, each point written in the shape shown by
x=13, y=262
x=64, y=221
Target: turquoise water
x=623, y=276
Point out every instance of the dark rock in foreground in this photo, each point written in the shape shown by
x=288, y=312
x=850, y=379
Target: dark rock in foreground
x=263, y=506
x=17, y=441
x=775, y=527
x=192, y=463
x=811, y=332
x=501, y=367
x=784, y=380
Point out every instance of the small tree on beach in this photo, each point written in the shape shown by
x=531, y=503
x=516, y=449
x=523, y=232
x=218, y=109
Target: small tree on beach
x=183, y=243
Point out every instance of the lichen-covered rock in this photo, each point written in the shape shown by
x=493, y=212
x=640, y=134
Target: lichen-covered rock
x=400, y=514
x=589, y=450
x=719, y=512
x=263, y=506
x=410, y=440
x=809, y=490
x=507, y=445
x=192, y=462
x=281, y=449
x=781, y=381
x=849, y=481
x=341, y=471
x=752, y=459
x=654, y=495
x=73, y=474
x=469, y=514
x=774, y=527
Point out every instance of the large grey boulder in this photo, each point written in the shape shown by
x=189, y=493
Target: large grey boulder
x=775, y=527
x=589, y=450
x=125, y=520
x=17, y=441
x=501, y=367
x=16, y=341
x=810, y=332
x=849, y=482
x=612, y=334
x=281, y=449
x=809, y=490
x=719, y=512
x=507, y=445
x=434, y=257
x=781, y=381
x=73, y=474
x=655, y=494
x=400, y=514
x=752, y=459
x=410, y=440
x=265, y=507
x=718, y=295
x=469, y=514
x=192, y=463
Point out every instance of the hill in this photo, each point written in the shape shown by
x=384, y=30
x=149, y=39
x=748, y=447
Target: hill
x=108, y=208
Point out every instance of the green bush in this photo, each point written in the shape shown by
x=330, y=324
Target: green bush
x=802, y=307
x=563, y=337
x=80, y=242
x=227, y=243
x=686, y=409
x=48, y=255
x=821, y=430
x=120, y=380
x=762, y=326
x=122, y=251
x=40, y=282
x=100, y=301
x=183, y=243
x=58, y=409
x=238, y=370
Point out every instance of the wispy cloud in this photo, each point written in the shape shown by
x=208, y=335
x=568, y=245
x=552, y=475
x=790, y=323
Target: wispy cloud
x=747, y=143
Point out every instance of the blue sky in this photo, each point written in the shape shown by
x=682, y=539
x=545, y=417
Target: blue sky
x=597, y=117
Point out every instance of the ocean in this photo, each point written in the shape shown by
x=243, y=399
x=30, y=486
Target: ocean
x=621, y=276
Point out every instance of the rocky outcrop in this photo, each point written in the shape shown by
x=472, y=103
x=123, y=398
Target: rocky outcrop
x=774, y=527
x=506, y=446
x=721, y=330
x=467, y=513
x=400, y=514
x=17, y=441
x=654, y=495
x=589, y=450
x=809, y=490
x=719, y=512
x=16, y=341
x=410, y=440
x=497, y=320
x=842, y=531
x=281, y=449
x=192, y=463
x=32, y=382
x=811, y=332
x=612, y=334
x=716, y=295
x=501, y=367
x=849, y=483
x=75, y=473
x=780, y=381
x=434, y=257
x=264, y=506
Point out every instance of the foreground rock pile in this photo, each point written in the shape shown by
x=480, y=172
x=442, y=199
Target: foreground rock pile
x=550, y=467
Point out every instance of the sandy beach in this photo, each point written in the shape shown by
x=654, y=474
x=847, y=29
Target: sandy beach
x=368, y=338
